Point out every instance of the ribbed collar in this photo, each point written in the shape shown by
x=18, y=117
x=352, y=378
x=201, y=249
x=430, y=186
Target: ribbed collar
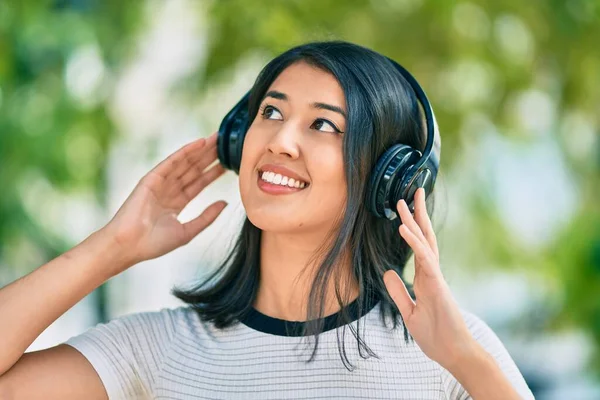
x=263, y=323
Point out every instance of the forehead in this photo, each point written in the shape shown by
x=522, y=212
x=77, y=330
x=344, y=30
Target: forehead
x=303, y=82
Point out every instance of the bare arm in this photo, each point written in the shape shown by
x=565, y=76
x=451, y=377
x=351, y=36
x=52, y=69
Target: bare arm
x=434, y=319
x=60, y=372
x=29, y=305
x=481, y=376
x=145, y=227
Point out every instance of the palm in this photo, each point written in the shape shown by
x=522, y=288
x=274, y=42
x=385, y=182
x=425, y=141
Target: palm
x=159, y=230
x=429, y=314
x=434, y=320
x=147, y=223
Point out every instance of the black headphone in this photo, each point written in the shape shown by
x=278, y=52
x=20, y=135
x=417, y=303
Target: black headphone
x=398, y=173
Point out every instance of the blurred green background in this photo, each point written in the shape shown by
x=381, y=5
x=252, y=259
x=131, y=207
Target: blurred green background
x=93, y=93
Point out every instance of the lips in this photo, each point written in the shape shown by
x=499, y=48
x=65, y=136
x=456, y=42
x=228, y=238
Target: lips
x=284, y=171
x=260, y=174
x=274, y=189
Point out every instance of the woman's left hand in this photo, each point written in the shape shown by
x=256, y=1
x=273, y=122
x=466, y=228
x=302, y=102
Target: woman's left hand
x=434, y=321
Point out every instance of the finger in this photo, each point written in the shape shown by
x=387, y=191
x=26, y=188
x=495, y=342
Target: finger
x=193, y=156
x=189, y=192
x=210, y=147
x=398, y=292
x=194, y=227
x=197, y=168
x=409, y=221
x=423, y=254
x=424, y=222
x=177, y=161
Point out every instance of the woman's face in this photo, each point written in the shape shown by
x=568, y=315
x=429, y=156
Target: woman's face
x=297, y=127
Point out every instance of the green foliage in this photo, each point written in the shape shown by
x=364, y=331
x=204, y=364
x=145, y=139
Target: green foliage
x=548, y=45
x=551, y=46
x=472, y=58
x=46, y=133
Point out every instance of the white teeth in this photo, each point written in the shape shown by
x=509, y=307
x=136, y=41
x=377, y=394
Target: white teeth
x=278, y=179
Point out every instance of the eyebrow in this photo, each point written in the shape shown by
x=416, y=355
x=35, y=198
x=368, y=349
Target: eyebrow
x=321, y=106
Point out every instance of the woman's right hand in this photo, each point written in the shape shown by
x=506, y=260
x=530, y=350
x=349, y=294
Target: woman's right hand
x=146, y=225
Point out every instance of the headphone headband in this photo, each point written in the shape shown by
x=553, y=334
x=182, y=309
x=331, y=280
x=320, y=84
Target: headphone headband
x=432, y=149
x=398, y=173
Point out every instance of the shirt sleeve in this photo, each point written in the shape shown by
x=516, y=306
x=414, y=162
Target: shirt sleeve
x=127, y=352
x=492, y=344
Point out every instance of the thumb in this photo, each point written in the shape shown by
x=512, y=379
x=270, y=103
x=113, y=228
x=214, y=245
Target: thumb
x=194, y=227
x=398, y=292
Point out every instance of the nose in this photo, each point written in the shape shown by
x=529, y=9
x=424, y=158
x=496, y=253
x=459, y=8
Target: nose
x=285, y=141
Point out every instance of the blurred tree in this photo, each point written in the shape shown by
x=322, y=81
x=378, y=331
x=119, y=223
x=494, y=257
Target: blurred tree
x=50, y=137
x=472, y=58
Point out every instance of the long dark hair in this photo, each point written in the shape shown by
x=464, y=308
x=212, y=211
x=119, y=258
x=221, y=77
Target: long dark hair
x=382, y=110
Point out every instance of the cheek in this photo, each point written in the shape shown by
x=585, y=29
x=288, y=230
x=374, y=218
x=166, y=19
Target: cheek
x=332, y=162
x=329, y=177
x=250, y=153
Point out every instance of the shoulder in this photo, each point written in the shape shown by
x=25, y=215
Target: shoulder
x=488, y=339
x=484, y=334
x=476, y=325
x=166, y=319
x=128, y=351
x=152, y=329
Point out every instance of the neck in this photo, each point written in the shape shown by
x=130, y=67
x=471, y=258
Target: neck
x=286, y=278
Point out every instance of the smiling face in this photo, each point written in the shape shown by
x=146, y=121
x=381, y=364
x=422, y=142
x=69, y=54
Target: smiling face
x=299, y=126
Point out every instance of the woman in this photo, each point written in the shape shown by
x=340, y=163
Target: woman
x=310, y=261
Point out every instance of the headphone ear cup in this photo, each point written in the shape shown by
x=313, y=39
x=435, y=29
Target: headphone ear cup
x=390, y=174
x=236, y=140
x=232, y=132
x=423, y=178
x=223, y=143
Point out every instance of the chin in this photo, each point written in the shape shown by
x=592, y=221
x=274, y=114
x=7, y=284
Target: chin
x=271, y=221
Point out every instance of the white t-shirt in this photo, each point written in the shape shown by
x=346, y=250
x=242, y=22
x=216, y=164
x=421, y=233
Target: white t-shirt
x=172, y=354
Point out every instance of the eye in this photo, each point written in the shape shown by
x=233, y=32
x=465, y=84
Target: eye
x=319, y=123
x=267, y=111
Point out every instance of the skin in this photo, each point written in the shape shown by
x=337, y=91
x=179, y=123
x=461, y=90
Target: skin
x=146, y=227
x=295, y=134
x=434, y=320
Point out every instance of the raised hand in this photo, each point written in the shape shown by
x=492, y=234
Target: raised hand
x=434, y=320
x=146, y=225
